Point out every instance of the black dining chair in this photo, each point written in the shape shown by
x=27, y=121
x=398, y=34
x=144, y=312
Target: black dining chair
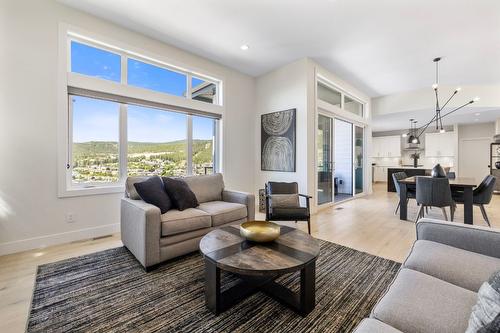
x=434, y=192
x=410, y=193
x=283, y=203
x=480, y=196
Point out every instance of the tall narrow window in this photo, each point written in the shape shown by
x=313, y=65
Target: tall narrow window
x=91, y=61
x=144, y=75
x=203, y=145
x=95, y=149
x=157, y=142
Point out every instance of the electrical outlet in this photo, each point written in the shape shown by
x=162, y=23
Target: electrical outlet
x=70, y=218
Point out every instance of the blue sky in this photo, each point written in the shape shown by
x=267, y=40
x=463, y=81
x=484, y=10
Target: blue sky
x=95, y=120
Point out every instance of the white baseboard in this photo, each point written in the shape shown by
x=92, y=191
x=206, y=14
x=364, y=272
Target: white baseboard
x=61, y=238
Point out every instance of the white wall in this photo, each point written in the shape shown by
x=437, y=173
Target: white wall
x=481, y=130
x=31, y=215
x=282, y=89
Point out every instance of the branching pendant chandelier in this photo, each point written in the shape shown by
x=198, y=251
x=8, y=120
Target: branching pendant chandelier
x=415, y=133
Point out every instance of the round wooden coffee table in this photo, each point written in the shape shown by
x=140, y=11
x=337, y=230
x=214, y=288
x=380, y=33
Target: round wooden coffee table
x=258, y=265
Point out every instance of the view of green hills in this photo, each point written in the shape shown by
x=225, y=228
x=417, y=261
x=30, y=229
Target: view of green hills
x=97, y=161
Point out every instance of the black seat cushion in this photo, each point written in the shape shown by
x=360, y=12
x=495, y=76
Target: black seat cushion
x=295, y=213
x=153, y=192
x=180, y=193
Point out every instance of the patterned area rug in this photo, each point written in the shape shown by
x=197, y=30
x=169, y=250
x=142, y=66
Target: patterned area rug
x=108, y=291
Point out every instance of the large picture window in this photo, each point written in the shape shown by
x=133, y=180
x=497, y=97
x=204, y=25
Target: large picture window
x=95, y=142
x=203, y=145
x=157, y=142
x=115, y=130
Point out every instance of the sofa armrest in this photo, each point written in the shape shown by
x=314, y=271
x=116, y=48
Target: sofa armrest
x=243, y=198
x=140, y=224
x=472, y=238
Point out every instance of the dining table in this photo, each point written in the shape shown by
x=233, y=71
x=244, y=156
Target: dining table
x=462, y=184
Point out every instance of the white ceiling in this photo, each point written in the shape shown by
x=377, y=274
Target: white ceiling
x=381, y=47
x=467, y=115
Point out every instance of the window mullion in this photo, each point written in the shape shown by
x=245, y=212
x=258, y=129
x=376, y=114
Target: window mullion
x=69, y=165
x=124, y=69
x=189, y=145
x=123, y=143
x=189, y=88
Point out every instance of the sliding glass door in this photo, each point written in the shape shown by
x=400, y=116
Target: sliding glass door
x=358, y=159
x=325, y=159
x=340, y=158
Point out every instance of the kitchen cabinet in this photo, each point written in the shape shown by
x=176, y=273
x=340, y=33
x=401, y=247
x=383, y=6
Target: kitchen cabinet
x=380, y=173
x=386, y=146
x=440, y=144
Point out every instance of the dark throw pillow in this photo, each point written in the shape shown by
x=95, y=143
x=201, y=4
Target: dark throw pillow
x=153, y=192
x=179, y=192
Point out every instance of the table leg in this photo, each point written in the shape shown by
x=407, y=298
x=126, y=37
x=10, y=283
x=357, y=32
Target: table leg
x=468, y=207
x=403, y=203
x=308, y=288
x=213, y=295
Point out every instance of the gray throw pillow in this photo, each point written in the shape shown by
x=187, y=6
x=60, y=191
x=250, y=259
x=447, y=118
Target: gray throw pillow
x=285, y=201
x=484, y=316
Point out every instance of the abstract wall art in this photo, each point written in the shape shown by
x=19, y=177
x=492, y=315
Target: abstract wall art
x=277, y=137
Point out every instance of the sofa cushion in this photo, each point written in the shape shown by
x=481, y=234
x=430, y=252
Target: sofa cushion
x=417, y=302
x=179, y=192
x=223, y=212
x=130, y=191
x=153, y=192
x=175, y=221
x=459, y=267
x=370, y=325
x=206, y=187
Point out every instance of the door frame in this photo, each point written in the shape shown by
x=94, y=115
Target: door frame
x=326, y=109
x=334, y=115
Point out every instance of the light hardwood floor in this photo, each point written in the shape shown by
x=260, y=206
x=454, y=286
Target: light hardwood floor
x=366, y=224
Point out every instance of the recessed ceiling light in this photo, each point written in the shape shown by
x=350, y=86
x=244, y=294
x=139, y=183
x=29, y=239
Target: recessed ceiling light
x=477, y=114
x=244, y=47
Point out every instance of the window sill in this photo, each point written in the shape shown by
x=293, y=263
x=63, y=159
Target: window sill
x=94, y=190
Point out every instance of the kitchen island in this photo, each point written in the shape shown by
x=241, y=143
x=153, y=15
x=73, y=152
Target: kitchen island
x=409, y=170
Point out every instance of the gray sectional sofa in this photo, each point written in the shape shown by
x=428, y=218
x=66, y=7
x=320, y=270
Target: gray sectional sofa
x=437, y=285
x=153, y=237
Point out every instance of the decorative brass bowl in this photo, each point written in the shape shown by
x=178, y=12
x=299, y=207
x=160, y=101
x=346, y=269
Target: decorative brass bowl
x=260, y=231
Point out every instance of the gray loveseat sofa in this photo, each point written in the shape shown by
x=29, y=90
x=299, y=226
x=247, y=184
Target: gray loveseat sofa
x=153, y=237
x=437, y=285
